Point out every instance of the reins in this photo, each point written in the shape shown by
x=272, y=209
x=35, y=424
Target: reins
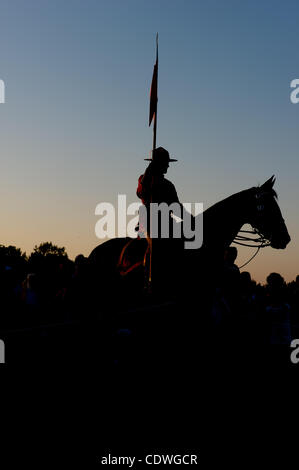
x=240, y=239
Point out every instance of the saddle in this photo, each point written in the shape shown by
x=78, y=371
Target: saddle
x=133, y=255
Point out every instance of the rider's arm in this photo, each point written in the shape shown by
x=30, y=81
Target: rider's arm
x=145, y=183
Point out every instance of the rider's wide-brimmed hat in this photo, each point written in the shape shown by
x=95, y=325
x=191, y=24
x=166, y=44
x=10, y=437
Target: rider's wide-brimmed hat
x=160, y=154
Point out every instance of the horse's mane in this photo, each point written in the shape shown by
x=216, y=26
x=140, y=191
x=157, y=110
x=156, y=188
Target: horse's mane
x=244, y=193
x=230, y=198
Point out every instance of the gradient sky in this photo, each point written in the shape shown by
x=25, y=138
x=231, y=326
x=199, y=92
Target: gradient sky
x=74, y=128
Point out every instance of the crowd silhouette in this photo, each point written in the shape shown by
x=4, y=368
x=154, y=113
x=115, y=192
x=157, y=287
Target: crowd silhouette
x=47, y=301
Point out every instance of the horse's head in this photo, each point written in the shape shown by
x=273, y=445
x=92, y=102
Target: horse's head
x=265, y=215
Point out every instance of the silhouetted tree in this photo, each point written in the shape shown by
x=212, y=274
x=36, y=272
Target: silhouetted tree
x=47, y=257
x=47, y=248
x=12, y=256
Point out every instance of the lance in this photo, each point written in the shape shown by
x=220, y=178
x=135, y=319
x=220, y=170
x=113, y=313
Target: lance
x=153, y=116
x=154, y=98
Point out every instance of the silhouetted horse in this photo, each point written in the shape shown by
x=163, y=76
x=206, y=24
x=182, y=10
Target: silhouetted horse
x=222, y=222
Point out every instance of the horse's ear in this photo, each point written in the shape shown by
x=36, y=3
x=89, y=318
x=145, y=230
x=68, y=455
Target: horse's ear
x=269, y=183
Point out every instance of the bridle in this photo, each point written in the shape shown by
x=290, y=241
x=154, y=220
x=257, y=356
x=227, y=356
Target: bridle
x=263, y=241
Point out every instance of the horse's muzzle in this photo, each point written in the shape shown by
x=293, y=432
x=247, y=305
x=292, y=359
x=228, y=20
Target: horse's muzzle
x=281, y=243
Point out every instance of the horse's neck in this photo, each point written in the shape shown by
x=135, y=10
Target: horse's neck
x=223, y=221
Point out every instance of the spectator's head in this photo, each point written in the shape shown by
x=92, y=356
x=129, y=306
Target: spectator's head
x=230, y=254
x=245, y=277
x=275, y=281
x=80, y=265
x=80, y=259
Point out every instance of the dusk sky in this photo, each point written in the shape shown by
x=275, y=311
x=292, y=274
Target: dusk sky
x=74, y=127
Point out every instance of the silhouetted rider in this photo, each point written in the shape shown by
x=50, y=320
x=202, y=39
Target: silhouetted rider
x=153, y=187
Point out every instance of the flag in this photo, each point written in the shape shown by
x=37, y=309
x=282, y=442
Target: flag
x=153, y=94
x=154, y=89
